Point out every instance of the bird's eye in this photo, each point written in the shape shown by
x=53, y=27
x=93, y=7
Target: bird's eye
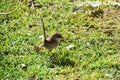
x=59, y=36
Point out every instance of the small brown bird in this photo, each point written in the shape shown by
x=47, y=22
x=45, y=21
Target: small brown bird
x=51, y=42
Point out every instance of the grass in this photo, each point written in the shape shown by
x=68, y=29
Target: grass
x=96, y=37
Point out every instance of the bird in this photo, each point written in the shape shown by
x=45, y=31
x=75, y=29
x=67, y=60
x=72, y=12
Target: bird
x=51, y=42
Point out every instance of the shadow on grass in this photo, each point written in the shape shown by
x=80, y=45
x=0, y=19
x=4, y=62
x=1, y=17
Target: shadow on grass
x=57, y=60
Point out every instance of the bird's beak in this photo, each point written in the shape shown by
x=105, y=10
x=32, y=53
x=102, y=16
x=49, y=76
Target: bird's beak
x=62, y=38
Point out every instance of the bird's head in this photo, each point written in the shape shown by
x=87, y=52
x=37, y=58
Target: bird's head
x=57, y=36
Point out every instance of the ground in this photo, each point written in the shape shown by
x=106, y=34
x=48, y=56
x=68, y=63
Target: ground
x=95, y=34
